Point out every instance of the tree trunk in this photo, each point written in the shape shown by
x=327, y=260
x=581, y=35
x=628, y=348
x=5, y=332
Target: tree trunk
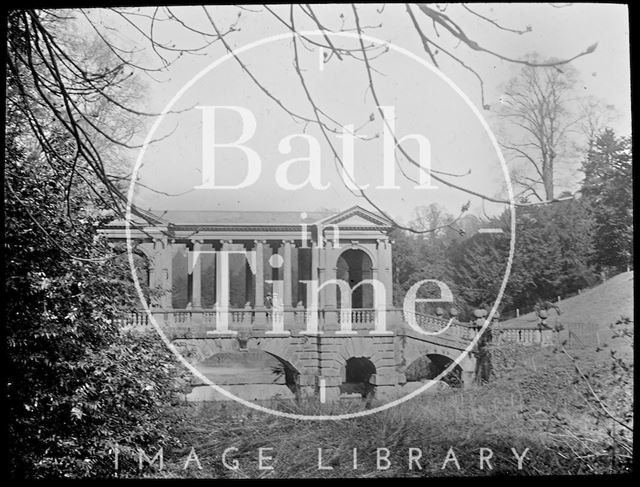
x=547, y=180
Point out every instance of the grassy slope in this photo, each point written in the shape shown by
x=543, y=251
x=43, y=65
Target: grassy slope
x=587, y=318
x=600, y=305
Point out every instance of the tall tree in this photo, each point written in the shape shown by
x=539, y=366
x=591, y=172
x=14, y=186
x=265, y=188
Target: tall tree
x=595, y=116
x=419, y=257
x=554, y=248
x=553, y=251
x=608, y=187
x=478, y=264
x=537, y=106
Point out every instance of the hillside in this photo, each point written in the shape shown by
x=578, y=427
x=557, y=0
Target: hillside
x=601, y=305
x=587, y=319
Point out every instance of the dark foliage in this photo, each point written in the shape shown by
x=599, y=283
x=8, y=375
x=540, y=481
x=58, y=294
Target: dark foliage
x=608, y=188
x=554, y=249
x=77, y=381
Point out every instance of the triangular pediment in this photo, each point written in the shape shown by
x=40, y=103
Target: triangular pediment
x=357, y=217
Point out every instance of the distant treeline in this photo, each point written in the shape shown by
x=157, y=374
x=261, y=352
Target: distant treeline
x=560, y=247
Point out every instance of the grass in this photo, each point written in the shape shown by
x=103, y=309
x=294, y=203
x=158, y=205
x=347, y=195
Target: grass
x=588, y=315
x=465, y=421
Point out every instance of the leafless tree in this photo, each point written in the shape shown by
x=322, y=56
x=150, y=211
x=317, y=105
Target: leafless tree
x=538, y=104
x=595, y=116
x=436, y=219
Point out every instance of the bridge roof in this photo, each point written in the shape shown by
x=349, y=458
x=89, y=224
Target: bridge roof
x=215, y=217
x=355, y=216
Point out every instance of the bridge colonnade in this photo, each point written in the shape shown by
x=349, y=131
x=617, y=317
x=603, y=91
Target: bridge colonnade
x=177, y=270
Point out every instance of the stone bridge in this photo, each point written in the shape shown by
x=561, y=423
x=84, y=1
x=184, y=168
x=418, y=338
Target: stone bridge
x=364, y=357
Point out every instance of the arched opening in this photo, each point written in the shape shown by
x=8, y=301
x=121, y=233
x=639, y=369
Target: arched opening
x=358, y=372
x=251, y=374
x=430, y=366
x=354, y=266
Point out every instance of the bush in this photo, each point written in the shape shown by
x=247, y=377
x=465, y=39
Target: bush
x=76, y=381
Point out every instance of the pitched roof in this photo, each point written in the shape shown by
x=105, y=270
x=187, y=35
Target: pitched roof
x=209, y=217
x=256, y=218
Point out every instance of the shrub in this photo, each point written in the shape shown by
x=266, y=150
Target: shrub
x=76, y=381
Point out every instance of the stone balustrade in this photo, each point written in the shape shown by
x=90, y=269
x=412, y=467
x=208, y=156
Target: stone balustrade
x=294, y=322
x=524, y=336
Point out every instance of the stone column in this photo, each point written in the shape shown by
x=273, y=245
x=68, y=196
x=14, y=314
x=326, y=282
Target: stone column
x=222, y=297
x=260, y=315
x=330, y=268
x=259, y=289
x=379, y=271
x=384, y=268
x=286, y=301
x=330, y=303
x=314, y=261
x=321, y=273
x=167, y=274
x=154, y=252
x=196, y=280
x=295, y=274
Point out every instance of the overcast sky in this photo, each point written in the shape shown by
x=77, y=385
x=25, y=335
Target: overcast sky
x=424, y=103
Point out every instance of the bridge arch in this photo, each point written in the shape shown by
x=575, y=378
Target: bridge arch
x=356, y=378
x=415, y=348
x=205, y=354
x=430, y=366
x=418, y=354
x=358, y=246
x=197, y=350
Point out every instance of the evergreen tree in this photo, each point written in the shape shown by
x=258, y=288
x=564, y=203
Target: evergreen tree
x=607, y=186
x=423, y=256
x=553, y=248
x=478, y=266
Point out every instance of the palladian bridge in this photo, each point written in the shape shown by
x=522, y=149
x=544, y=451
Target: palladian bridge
x=366, y=345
